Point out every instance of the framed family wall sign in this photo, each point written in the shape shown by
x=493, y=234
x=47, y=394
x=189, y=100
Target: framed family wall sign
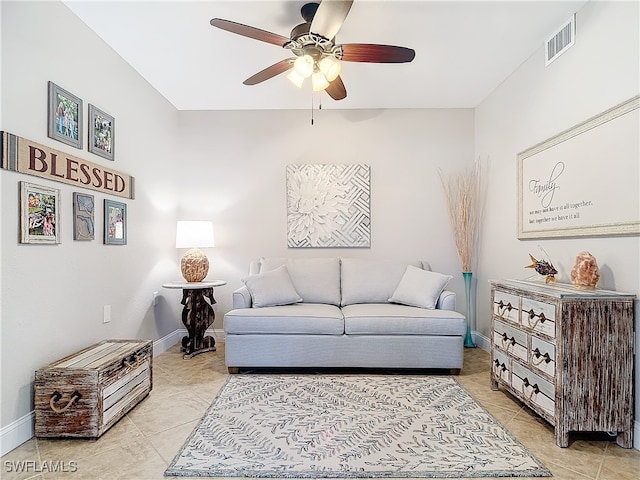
x=585, y=180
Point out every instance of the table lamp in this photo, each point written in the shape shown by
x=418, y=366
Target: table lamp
x=193, y=235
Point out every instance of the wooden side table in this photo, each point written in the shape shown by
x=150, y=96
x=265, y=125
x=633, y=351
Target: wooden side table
x=197, y=315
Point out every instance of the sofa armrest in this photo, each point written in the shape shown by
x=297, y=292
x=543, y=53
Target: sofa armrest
x=241, y=298
x=446, y=301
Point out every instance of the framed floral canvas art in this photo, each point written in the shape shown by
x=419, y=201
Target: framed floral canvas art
x=328, y=206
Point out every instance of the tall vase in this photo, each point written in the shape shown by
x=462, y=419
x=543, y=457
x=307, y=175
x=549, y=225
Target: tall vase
x=468, y=339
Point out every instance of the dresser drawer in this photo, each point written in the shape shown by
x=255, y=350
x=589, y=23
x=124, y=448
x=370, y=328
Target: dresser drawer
x=500, y=366
x=543, y=356
x=506, y=306
x=539, y=316
x=533, y=388
x=510, y=340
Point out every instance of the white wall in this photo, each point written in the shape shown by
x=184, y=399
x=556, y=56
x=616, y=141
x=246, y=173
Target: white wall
x=601, y=70
x=53, y=296
x=233, y=170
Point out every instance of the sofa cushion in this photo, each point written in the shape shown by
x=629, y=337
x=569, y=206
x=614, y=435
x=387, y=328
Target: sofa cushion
x=420, y=288
x=301, y=318
x=370, y=281
x=271, y=288
x=317, y=280
x=391, y=319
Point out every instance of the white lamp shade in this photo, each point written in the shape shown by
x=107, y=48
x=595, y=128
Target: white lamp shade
x=296, y=78
x=194, y=234
x=304, y=65
x=330, y=68
x=319, y=81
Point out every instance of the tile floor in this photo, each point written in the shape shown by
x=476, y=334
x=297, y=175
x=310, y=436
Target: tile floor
x=142, y=444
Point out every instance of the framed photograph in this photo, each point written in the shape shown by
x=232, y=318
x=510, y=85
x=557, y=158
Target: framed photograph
x=39, y=214
x=101, y=133
x=115, y=223
x=578, y=183
x=83, y=216
x=65, y=116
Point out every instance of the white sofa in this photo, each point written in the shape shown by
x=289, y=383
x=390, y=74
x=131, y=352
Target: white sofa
x=343, y=312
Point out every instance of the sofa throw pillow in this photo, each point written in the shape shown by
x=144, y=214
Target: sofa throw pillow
x=420, y=288
x=317, y=280
x=271, y=288
x=370, y=281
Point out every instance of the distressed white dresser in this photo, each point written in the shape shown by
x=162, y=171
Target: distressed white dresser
x=567, y=354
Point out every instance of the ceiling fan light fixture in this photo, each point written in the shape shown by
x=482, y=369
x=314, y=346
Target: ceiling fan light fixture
x=295, y=78
x=319, y=81
x=304, y=65
x=330, y=68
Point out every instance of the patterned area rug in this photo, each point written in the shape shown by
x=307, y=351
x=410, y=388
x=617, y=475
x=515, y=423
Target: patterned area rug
x=350, y=426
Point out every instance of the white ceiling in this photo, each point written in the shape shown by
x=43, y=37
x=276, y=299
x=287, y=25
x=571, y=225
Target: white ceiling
x=464, y=49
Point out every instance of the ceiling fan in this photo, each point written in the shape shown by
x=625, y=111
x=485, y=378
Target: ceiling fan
x=316, y=52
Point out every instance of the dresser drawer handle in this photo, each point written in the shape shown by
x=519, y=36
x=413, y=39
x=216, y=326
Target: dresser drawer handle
x=540, y=318
x=540, y=358
x=502, y=307
x=508, y=342
x=534, y=389
x=56, y=396
x=499, y=366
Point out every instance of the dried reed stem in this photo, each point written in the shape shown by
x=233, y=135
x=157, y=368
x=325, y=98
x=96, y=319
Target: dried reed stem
x=462, y=191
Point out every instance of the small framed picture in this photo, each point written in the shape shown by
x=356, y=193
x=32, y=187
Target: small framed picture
x=101, y=133
x=65, y=116
x=83, y=216
x=115, y=223
x=39, y=214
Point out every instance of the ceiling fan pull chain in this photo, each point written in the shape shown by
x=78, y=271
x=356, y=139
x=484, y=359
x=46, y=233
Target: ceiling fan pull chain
x=312, y=108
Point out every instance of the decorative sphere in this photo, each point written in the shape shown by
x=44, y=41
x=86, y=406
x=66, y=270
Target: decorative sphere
x=194, y=265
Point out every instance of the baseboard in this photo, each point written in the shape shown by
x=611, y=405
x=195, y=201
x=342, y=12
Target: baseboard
x=16, y=433
x=481, y=341
x=165, y=343
x=21, y=430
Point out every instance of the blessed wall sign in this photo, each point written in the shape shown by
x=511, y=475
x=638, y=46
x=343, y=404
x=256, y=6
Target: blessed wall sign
x=24, y=156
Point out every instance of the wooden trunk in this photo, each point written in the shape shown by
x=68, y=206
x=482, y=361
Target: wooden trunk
x=86, y=393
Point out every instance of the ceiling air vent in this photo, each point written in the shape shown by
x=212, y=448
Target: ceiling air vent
x=559, y=42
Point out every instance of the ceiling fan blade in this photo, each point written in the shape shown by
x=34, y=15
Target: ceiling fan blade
x=250, y=32
x=270, y=72
x=329, y=17
x=336, y=89
x=369, y=52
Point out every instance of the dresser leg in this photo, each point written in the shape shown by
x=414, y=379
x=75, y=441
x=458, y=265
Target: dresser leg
x=494, y=384
x=625, y=439
x=562, y=437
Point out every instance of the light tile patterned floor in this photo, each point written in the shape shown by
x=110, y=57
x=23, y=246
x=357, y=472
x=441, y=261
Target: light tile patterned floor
x=142, y=444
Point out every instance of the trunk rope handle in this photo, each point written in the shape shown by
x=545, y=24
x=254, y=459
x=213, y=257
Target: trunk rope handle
x=56, y=396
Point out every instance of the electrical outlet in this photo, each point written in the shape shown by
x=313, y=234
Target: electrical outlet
x=106, y=314
x=155, y=298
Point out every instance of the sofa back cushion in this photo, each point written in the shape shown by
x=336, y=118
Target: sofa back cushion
x=317, y=280
x=371, y=281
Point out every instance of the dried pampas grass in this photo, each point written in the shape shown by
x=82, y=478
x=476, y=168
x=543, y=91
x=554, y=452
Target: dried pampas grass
x=462, y=190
